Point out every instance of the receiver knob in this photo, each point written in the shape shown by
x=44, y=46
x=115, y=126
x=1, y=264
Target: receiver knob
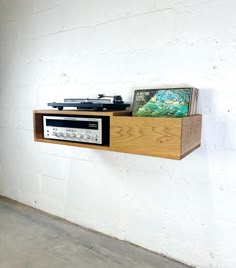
x=81, y=136
x=72, y=135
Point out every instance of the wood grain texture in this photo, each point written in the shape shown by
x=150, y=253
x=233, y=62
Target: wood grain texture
x=71, y=143
x=77, y=112
x=191, y=133
x=171, y=138
x=38, y=125
x=147, y=136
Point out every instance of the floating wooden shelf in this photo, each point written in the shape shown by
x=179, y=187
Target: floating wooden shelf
x=172, y=138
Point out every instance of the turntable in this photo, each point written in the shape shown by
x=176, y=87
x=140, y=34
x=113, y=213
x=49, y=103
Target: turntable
x=102, y=103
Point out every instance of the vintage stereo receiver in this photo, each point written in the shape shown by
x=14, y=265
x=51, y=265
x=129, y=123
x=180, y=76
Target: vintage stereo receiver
x=89, y=129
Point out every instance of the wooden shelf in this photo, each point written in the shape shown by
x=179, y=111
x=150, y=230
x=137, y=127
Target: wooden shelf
x=172, y=138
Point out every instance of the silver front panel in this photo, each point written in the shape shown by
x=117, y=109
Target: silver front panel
x=77, y=129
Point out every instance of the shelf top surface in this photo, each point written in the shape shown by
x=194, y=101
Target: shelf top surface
x=78, y=112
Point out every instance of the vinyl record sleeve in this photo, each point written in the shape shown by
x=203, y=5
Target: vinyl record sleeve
x=172, y=102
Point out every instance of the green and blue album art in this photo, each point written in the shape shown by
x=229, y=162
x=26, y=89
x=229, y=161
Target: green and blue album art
x=162, y=102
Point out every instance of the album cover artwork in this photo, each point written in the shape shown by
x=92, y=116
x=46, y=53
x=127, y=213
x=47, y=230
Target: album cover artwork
x=173, y=102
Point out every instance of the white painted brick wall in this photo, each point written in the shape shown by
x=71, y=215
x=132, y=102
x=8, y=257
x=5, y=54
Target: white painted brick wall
x=51, y=49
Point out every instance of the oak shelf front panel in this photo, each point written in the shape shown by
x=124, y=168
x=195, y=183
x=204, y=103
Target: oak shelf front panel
x=160, y=137
x=172, y=138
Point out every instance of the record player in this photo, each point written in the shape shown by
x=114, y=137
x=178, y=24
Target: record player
x=101, y=103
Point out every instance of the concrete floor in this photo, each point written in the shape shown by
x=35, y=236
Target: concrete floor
x=32, y=239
